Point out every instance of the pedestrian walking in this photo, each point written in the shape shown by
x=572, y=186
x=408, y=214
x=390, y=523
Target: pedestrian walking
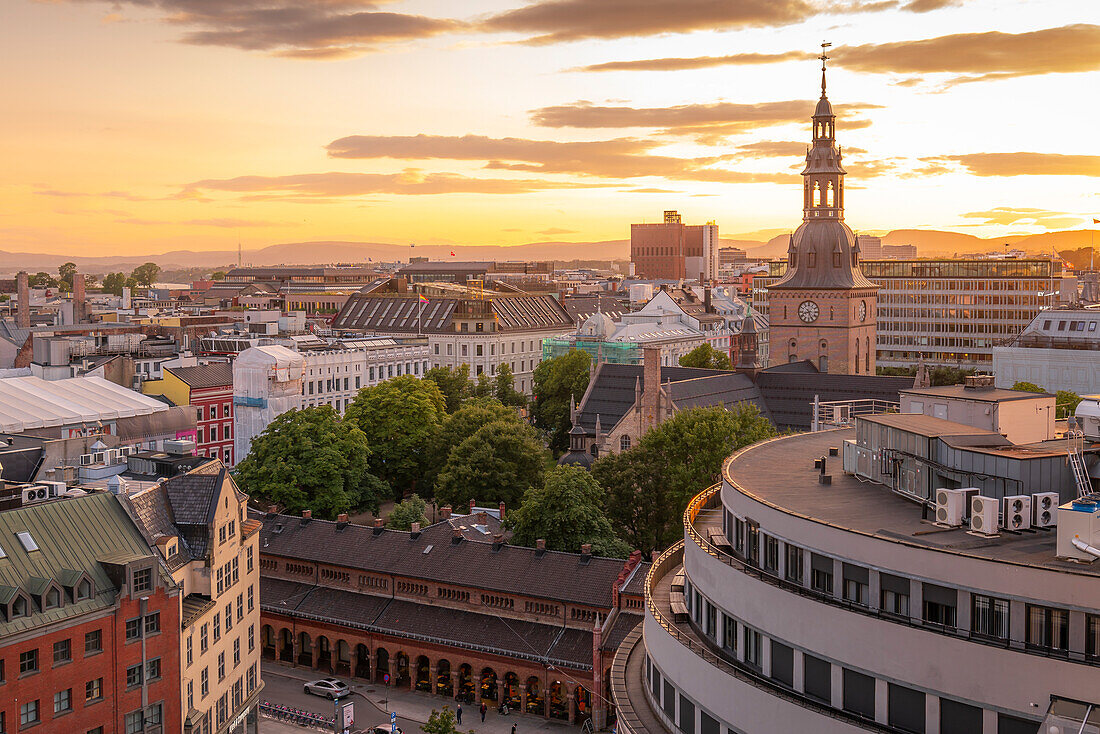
x=482, y=712
x=513, y=727
x=459, y=713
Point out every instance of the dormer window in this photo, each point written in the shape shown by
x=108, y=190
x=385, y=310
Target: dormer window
x=84, y=590
x=836, y=259
x=19, y=607
x=143, y=580
x=53, y=599
x=811, y=259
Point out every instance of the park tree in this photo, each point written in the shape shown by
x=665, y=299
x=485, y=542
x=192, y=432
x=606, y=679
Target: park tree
x=147, y=274
x=566, y=511
x=311, y=459
x=558, y=382
x=454, y=383
x=66, y=272
x=114, y=283
x=401, y=419
x=504, y=387
x=442, y=722
x=1066, y=403
x=1027, y=387
x=42, y=279
x=498, y=463
x=406, y=512
x=218, y=275
x=467, y=420
x=483, y=387
x=649, y=486
x=706, y=357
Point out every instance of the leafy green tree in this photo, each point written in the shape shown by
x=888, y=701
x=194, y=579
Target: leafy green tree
x=483, y=388
x=66, y=272
x=706, y=357
x=1066, y=403
x=557, y=382
x=401, y=419
x=406, y=512
x=218, y=275
x=566, y=511
x=649, y=486
x=310, y=459
x=498, y=463
x=1027, y=387
x=504, y=388
x=146, y=275
x=453, y=383
x=466, y=421
x=42, y=279
x=442, y=722
x=114, y=283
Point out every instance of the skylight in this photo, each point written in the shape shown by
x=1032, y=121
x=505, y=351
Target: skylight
x=2, y=553
x=27, y=541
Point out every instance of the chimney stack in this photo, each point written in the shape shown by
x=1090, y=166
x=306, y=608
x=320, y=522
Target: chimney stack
x=473, y=504
x=377, y=522
x=540, y=546
x=482, y=517
x=651, y=387
x=502, y=512
x=498, y=540
x=707, y=306
x=273, y=509
x=415, y=528
x=307, y=514
x=342, y=517
x=456, y=536
x=23, y=293
x=445, y=511
x=79, y=299
x=586, y=549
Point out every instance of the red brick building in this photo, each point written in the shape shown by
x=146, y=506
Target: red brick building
x=208, y=387
x=673, y=250
x=447, y=616
x=89, y=622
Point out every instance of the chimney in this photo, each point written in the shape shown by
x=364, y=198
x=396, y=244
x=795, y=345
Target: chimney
x=456, y=536
x=473, y=504
x=445, y=511
x=23, y=293
x=342, y=517
x=378, y=528
x=540, y=546
x=307, y=514
x=586, y=549
x=502, y=512
x=498, y=541
x=706, y=301
x=79, y=299
x=651, y=387
x=415, y=528
x=482, y=516
x=273, y=509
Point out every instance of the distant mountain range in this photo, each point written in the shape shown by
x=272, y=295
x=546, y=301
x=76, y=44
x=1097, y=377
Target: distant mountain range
x=929, y=243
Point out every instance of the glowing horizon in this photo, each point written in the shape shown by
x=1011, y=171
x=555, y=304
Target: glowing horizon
x=194, y=124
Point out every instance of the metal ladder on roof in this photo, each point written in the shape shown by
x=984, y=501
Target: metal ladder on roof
x=1076, y=438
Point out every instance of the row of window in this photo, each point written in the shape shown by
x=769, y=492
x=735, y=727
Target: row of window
x=479, y=349
x=223, y=708
x=212, y=410
x=905, y=707
x=221, y=669
x=142, y=720
x=62, y=654
x=1046, y=628
x=245, y=600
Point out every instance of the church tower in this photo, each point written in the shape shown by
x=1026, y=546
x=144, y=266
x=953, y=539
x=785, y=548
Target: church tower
x=823, y=309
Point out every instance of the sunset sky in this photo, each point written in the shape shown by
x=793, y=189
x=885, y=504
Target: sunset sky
x=142, y=126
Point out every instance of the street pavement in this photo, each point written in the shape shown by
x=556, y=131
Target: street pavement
x=373, y=702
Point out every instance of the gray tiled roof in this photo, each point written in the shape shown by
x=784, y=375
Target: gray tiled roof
x=790, y=393
x=403, y=618
x=433, y=556
x=214, y=374
x=405, y=314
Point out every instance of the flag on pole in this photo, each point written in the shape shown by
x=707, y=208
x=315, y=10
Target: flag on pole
x=1095, y=221
x=453, y=252
x=423, y=299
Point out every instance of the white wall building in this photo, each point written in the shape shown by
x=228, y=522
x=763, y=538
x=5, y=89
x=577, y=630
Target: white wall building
x=1058, y=350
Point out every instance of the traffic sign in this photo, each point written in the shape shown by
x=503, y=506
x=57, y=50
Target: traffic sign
x=386, y=678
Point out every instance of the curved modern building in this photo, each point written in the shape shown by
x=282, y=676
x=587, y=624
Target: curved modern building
x=926, y=569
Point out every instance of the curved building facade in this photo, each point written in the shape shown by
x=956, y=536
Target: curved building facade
x=793, y=605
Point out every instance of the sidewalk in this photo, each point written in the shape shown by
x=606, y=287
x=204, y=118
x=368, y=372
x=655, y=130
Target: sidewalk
x=416, y=706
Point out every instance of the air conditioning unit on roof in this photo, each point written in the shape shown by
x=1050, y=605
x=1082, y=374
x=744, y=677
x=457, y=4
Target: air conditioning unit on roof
x=950, y=507
x=1017, y=512
x=984, y=515
x=1044, y=509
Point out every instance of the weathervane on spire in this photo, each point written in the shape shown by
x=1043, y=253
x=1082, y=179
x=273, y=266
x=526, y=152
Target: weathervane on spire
x=824, y=58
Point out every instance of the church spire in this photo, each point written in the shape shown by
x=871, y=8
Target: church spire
x=823, y=195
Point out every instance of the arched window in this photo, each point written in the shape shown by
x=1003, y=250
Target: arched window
x=857, y=355
x=830, y=195
x=817, y=194
x=624, y=443
x=595, y=451
x=867, y=355
x=823, y=363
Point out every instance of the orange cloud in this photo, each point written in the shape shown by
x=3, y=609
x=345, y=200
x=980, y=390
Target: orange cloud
x=1024, y=164
x=697, y=62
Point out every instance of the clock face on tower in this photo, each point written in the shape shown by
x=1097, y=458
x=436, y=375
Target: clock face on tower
x=808, y=311
x=863, y=310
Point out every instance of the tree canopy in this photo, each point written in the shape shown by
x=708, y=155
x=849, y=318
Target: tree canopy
x=442, y=722
x=311, y=459
x=406, y=512
x=557, y=382
x=42, y=279
x=706, y=357
x=649, y=486
x=114, y=283
x=401, y=419
x=146, y=275
x=1027, y=387
x=454, y=383
x=466, y=421
x=66, y=272
x=566, y=511
x=1066, y=403
x=498, y=463
x=504, y=387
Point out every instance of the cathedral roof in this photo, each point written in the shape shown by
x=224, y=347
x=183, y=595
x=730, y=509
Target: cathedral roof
x=814, y=244
x=824, y=107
